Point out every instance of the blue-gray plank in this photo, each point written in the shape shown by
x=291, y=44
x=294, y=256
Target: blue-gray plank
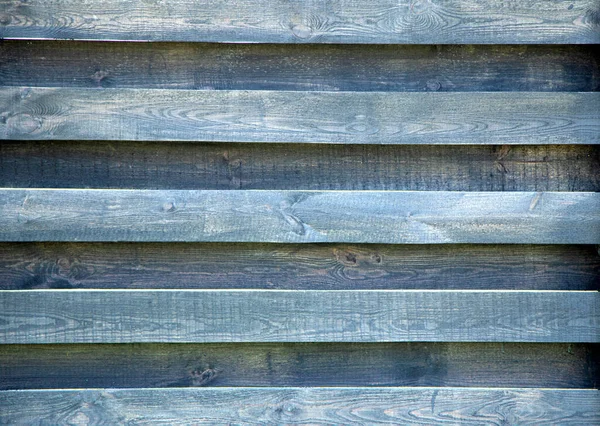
x=392, y=217
x=218, y=316
x=315, y=117
x=282, y=21
x=315, y=406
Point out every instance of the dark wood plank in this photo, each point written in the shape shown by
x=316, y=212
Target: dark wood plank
x=318, y=406
x=336, y=21
x=522, y=365
x=181, y=165
x=392, y=217
x=25, y=266
x=416, y=68
x=221, y=316
x=274, y=116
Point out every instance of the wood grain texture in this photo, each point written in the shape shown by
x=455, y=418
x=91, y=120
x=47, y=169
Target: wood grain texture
x=415, y=68
x=523, y=365
x=25, y=266
x=336, y=21
x=318, y=406
x=390, y=217
x=221, y=316
x=316, y=117
x=181, y=165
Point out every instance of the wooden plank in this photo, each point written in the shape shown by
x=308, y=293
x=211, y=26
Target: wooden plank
x=25, y=266
x=336, y=21
x=416, y=68
x=319, y=406
x=391, y=217
x=522, y=365
x=220, y=316
x=324, y=117
x=181, y=165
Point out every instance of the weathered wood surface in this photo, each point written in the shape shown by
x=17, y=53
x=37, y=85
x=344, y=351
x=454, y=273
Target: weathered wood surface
x=181, y=165
x=25, y=266
x=220, y=316
x=300, y=67
x=522, y=365
x=318, y=406
x=315, y=117
x=336, y=21
x=391, y=217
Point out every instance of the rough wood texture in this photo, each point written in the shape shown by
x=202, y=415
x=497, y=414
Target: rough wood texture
x=220, y=316
x=181, y=165
x=315, y=117
x=300, y=67
x=335, y=21
x=25, y=266
x=391, y=217
x=318, y=406
x=522, y=365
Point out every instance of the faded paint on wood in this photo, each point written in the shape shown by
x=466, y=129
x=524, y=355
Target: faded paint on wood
x=215, y=316
x=318, y=406
x=390, y=217
x=335, y=21
x=314, y=117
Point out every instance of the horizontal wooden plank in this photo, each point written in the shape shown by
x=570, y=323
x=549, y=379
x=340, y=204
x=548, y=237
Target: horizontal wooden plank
x=419, y=68
x=316, y=117
x=181, y=165
x=318, y=406
x=25, y=266
x=219, y=316
x=390, y=217
x=336, y=21
x=522, y=365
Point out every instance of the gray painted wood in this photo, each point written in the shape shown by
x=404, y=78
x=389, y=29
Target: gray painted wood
x=389, y=217
x=335, y=21
x=316, y=117
x=318, y=406
x=522, y=365
x=181, y=165
x=216, y=316
x=26, y=266
x=316, y=67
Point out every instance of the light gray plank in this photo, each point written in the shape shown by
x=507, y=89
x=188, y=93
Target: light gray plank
x=318, y=406
x=281, y=21
x=391, y=217
x=218, y=316
x=316, y=117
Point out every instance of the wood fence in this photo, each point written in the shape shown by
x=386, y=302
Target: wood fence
x=313, y=212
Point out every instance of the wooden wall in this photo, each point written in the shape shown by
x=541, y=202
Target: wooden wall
x=299, y=212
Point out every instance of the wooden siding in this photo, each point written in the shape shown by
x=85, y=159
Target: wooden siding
x=343, y=212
